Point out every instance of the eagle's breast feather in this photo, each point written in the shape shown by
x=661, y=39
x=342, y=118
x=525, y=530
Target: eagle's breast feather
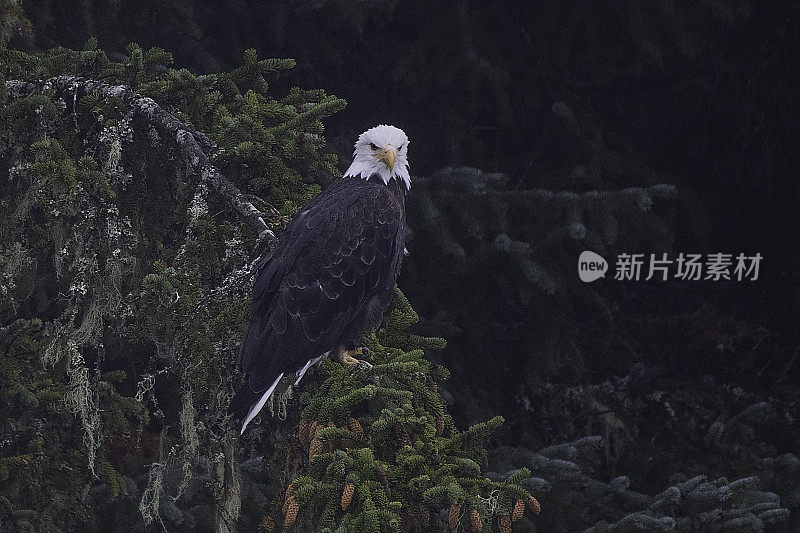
x=328, y=280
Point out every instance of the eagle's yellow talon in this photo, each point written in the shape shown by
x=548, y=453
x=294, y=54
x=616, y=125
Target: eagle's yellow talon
x=346, y=358
x=319, y=276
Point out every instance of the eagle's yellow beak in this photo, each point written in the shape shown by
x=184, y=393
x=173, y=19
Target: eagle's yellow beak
x=388, y=156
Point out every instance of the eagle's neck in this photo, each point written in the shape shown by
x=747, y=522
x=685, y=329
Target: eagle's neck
x=396, y=186
x=370, y=168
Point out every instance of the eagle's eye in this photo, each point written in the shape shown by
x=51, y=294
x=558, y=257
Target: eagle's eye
x=401, y=146
x=372, y=145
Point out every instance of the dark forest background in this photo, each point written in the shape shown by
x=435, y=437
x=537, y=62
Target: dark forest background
x=699, y=94
x=690, y=106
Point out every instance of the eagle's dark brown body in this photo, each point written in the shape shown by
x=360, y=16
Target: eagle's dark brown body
x=328, y=281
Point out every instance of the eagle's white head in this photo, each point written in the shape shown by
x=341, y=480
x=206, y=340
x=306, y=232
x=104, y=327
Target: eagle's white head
x=381, y=150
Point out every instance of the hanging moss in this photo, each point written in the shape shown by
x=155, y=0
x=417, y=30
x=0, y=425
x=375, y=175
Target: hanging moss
x=126, y=284
x=124, y=279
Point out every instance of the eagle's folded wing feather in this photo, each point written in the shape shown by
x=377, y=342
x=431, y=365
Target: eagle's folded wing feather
x=335, y=265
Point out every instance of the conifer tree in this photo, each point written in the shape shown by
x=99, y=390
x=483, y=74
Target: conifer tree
x=383, y=454
x=125, y=280
x=124, y=275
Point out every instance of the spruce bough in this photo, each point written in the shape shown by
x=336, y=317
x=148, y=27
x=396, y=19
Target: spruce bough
x=383, y=455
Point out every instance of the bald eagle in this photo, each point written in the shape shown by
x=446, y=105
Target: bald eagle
x=331, y=274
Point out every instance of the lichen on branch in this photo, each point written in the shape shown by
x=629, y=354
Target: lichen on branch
x=127, y=189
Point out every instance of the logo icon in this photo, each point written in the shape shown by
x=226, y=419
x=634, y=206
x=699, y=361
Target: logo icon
x=591, y=266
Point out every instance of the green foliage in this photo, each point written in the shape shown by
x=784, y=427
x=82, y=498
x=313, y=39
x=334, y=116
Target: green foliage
x=123, y=280
x=475, y=238
x=563, y=97
x=126, y=284
x=658, y=493
x=43, y=459
x=273, y=145
x=383, y=453
x=12, y=21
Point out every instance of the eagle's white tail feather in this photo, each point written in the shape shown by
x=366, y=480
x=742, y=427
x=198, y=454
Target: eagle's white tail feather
x=309, y=364
x=257, y=407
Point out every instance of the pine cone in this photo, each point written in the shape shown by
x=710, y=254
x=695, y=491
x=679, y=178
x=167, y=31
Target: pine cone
x=519, y=510
x=355, y=427
x=302, y=432
x=534, y=506
x=347, y=495
x=431, y=384
x=452, y=519
x=505, y=524
x=439, y=426
x=403, y=436
x=288, y=497
x=314, y=448
x=475, y=520
x=267, y=524
x=291, y=512
x=424, y=517
x=312, y=430
x=415, y=402
x=380, y=473
x=405, y=523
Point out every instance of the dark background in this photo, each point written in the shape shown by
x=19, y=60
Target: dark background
x=575, y=96
x=700, y=94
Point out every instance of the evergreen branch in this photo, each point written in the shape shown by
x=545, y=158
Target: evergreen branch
x=325, y=108
x=168, y=126
x=642, y=195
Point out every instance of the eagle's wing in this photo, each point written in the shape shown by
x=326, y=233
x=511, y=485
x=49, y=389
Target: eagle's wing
x=331, y=275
